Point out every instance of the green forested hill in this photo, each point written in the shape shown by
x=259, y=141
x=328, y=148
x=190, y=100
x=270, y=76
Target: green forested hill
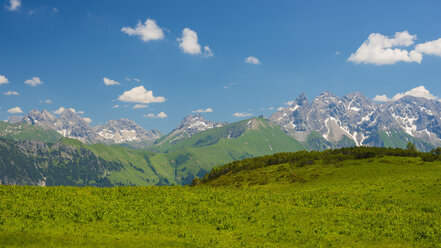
x=37, y=163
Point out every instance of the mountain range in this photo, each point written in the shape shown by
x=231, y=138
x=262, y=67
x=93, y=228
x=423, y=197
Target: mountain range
x=49, y=149
x=356, y=120
x=71, y=125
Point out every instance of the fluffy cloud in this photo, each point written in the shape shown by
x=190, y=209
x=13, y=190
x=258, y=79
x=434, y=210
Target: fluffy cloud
x=419, y=91
x=241, y=114
x=289, y=103
x=161, y=115
x=3, y=80
x=189, y=43
x=34, y=81
x=146, y=32
x=15, y=110
x=207, y=110
x=61, y=110
x=108, y=81
x=48, y=101
x=88, y=120
x=14, y=5
x=10, y=93
x=252, y=60
x=116, y=106
x=430, y=47
x=279, y=108
x=138, y=106
x=381, y=50
x=140, y=95
x=381, y=98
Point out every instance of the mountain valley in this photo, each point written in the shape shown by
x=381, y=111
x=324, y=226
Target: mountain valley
x=124, y=153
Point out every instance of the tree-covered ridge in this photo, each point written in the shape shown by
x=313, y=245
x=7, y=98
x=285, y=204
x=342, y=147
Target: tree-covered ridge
x=305, y=158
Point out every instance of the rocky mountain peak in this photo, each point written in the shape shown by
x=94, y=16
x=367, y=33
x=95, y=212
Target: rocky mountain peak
x=326, y=97
x=191, y=125
x=301, y=100
x=40, y=118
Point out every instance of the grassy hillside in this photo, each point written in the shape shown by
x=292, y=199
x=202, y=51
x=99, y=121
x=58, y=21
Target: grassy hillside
x=380, y=201
x=23, y=131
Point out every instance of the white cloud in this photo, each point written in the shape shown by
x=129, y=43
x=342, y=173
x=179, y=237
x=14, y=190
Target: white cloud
x=146, y=32
x=270, y=108
x=15, y=110
x=189, y=43
x=241, y=114
x=116, y=106
x=34, y=81
x=140, y=95
x=161, y=115
x=108, y=81
x=289, y=103
x=381, y=98
x=137, y=80
x=419, y=91
x=88, y=120
x=10, y=93
x=252, y=60
x=337, y=53
x=207, y=110
x=48, y=101
x=279, y=108
x=381, y=50
x=61, y=110
x=430, y=47
x=3, y=80
x=14, y=5
x=208, y=52
x=138, y=106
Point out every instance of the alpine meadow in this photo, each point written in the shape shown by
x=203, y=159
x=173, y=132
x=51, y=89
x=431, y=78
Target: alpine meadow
x=220, y=124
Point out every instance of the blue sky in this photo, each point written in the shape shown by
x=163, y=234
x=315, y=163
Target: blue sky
x=71, y=46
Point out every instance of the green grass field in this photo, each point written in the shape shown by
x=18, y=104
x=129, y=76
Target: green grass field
x=375, y=202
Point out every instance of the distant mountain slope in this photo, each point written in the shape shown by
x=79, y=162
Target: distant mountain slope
x=125, y=131
x=23, y=131
x=198, y=154
x=359, y=121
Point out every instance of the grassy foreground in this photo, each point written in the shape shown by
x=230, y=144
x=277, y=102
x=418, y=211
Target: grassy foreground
x=379, y=202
